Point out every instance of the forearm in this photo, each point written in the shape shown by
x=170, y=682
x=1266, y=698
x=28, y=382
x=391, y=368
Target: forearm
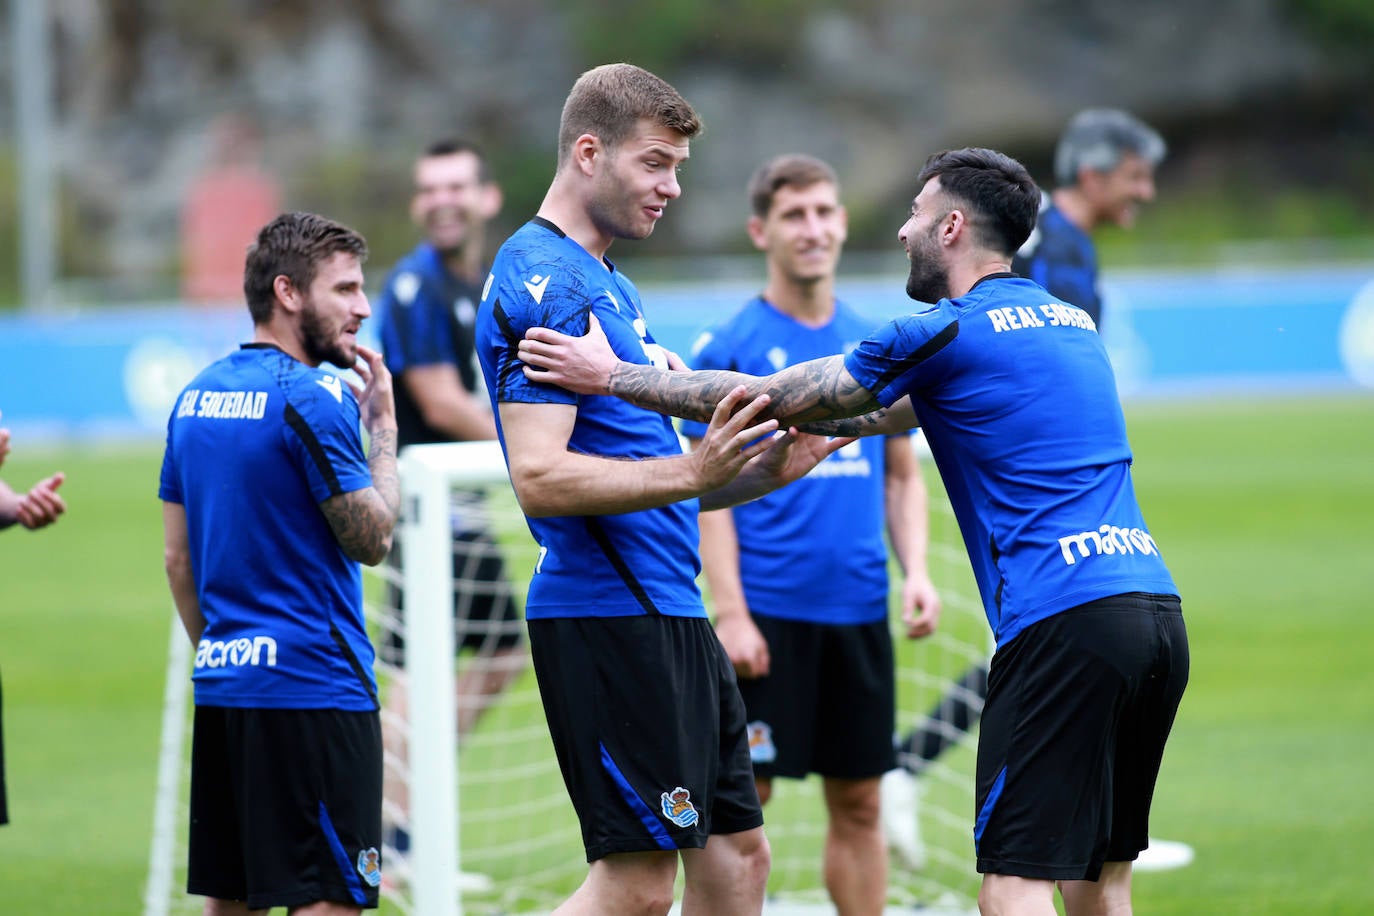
x=906, y=503
x=720, y=564
x=386, y=480
x=573, y=483
x=183, y=588
x=818, y=389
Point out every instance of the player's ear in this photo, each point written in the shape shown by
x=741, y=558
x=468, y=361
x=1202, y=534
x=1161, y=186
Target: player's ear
x=585, y=150
x=754, y=226
x=491, y=200
x=286, y=293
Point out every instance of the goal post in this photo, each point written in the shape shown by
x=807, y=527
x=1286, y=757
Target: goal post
x=494, y=806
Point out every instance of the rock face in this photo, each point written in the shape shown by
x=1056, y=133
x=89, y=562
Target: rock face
x=873, y=85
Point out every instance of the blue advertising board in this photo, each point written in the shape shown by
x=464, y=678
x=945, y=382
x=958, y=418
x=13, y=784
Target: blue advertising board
x=114, y=372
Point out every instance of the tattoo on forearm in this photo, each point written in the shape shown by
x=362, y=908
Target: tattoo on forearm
x=816, y=390
x=381, y=461
x=867, y=424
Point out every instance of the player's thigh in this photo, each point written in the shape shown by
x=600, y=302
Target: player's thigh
x=637, y=709
x=856, y=701
x=310, y=805
x=1048, y=744
x=781, y=707
x=486, y=615
x=1146, y=722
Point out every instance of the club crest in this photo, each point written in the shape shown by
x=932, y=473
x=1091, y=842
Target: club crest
x=761, y=747
x=678, y=807
x=370, y=865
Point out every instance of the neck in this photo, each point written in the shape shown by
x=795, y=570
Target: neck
x=465, y=262
x=1075, y=207
x=283, y=338
x=809, y=303
x=962, y=277
x=568, y=211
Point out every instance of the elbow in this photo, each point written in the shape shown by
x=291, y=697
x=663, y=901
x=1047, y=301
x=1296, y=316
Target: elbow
x=374, y=553
x=537, y=494
x=177, y=564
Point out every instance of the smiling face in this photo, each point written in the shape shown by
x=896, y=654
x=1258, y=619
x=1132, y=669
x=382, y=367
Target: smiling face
x=803, y=232
x=1116, y=196
x=451, y=202
x=633, y=182
x=332, y=310
x=929, y=277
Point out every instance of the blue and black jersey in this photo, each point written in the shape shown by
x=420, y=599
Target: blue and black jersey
x=425, y=318
x=256, y=442
x=1060, y=257
x=1019, y=406
x=821, y=537
x=641, y=562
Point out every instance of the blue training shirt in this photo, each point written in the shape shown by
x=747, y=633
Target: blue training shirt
x=1060, y=257
x=813, y=550
x=425, y=317
x=1019, y=405
x=643, y=562
x=256, y=442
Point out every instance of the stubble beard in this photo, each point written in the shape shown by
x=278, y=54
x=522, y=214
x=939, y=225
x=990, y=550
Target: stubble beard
x=929, y=279
x=319, y=344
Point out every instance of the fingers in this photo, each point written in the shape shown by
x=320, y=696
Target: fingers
x=41, y=505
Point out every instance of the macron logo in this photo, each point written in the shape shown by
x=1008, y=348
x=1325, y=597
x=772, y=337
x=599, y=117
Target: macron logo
x=536, y=285
x=331, y=384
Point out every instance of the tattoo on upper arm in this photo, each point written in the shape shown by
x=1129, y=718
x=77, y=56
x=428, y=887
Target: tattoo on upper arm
x=363, y=520
x=361, y=524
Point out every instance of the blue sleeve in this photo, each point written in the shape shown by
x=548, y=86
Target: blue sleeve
x=322, y=433
x=169, y=484
x=563, y=305
x=414, y=327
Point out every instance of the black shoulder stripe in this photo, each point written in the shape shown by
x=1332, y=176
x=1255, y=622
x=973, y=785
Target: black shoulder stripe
x=603, y=540
x=312, y=445
x=512, y=368
x=924, y=352
x=353, y=662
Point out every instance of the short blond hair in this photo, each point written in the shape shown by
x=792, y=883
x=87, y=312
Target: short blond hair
x=609, y=102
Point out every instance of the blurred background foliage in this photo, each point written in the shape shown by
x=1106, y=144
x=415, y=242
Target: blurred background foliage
x=1268, y=118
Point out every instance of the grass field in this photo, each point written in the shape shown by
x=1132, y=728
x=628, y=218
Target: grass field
x=1261, y=509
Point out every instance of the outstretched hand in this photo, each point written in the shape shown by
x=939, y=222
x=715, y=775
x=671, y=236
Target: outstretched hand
x=792, y=454
x=733, y=439
x=41, y=506
x=580, y=364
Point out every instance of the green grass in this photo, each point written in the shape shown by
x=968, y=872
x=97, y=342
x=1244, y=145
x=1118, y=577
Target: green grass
x=1262, y=509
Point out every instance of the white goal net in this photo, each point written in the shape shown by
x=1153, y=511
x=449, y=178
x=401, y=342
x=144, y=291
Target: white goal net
x=491, y=832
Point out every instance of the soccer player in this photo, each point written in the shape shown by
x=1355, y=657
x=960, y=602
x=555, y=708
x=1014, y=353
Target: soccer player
x=801, y=600
x=1018, y=402
x=1104, y=166
x=426, y=313
x=640, y=698
x=37, y=508
x=269, y=506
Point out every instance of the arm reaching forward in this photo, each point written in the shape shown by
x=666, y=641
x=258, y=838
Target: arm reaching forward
x=820, y=389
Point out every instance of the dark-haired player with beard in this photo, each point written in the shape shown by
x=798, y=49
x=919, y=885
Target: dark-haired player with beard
x=269, y=507
x=1019, y=405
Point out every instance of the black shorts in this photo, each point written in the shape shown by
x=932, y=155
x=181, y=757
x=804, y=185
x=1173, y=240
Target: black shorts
x=286, y=806
x=486, y=617
x=649, y=730
x=828, y=704
x=1078, y=711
